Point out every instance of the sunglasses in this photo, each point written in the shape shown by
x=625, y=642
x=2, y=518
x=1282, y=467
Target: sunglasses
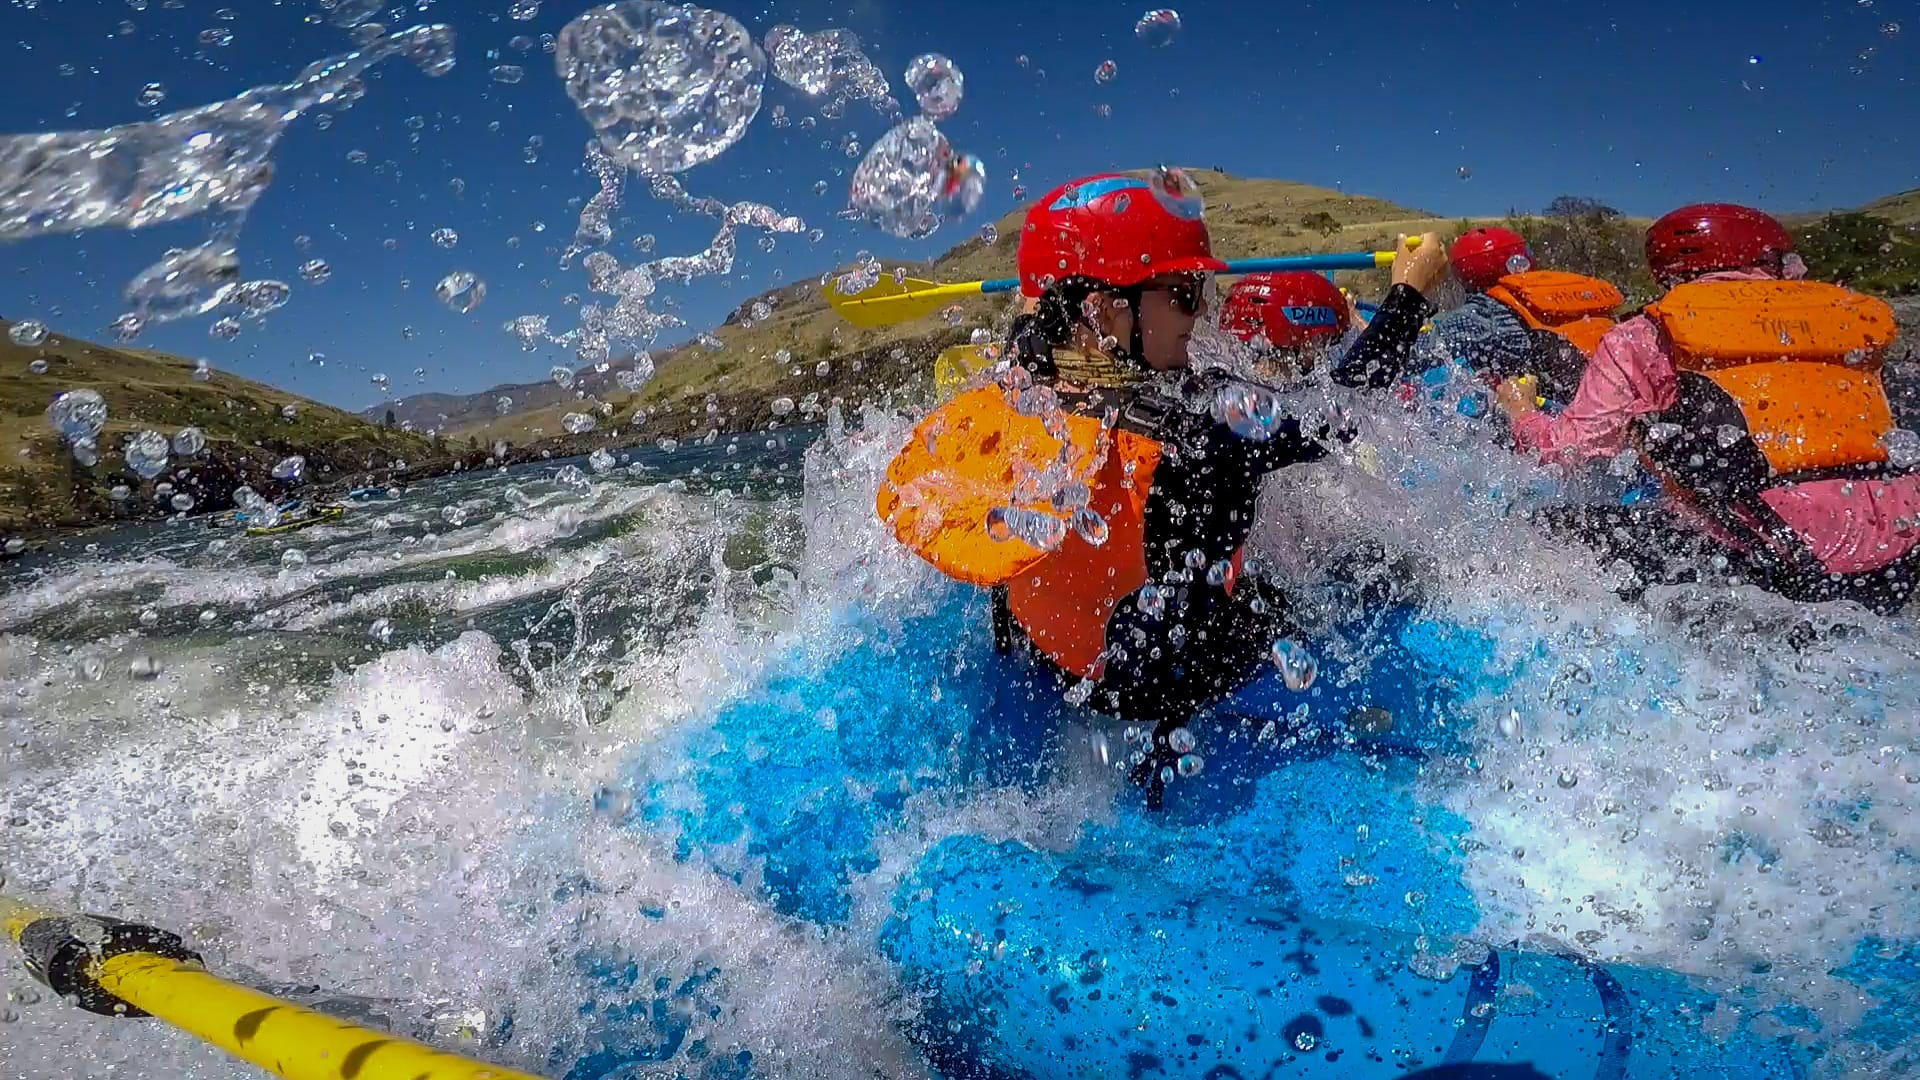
x=1187, y=297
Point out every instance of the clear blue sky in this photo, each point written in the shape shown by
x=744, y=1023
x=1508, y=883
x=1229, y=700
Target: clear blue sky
x=1644, y=104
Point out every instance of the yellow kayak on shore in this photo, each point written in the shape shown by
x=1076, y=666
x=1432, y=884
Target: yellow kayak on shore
x=321, y=516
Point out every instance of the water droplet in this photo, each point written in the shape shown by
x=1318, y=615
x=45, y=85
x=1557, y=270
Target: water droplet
x=1890, y=29
x=781, y=406
x=1106, y=72
x=1158, y=28
x=1305, y=1041
x=38, y=365
x=381, y=630
x=523, y=10
x=461, y=291
x=256, y=299
x=937, y=85
x=1039, y=530
x=508, y=73
x=562, y=376
x=127, y=326
x=78, y=415
x=144, y=668
x=225, y=329
x=1567, y=778
x=1464, y=172
x=293, y=558
x=188, y=442
x=1902, y=447
x=1180, y=740
x=217, y=36
x=912, y=177
x=1297, y=666
x=1189, y=765
x=146, y=453
x=667, y=86
x=1151, y=600
x=152, y=94
x=1754, y=59
x=445, y=238
x=379, y=380
x=578, y=423
x=315, y=271
x=27, y=332
x=182, y=502
x=291, y=468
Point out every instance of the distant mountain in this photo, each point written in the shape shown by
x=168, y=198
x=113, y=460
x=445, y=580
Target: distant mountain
x=249, y=427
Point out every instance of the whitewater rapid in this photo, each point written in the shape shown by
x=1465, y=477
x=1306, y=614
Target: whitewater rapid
x=398, y=766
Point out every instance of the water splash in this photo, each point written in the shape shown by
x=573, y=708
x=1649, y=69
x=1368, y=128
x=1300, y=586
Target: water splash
x=667, y=86
x=212, y=159
x=830, y=62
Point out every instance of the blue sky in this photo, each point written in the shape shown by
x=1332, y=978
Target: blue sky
x=1646, y=105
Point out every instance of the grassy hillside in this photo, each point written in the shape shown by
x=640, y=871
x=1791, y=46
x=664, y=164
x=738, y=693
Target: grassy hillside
x=249, y=427
x=1248, y=217
x=1902, y=209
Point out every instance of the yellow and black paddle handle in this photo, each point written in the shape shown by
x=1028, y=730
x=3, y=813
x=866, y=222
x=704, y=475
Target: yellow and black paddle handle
x=123, y=969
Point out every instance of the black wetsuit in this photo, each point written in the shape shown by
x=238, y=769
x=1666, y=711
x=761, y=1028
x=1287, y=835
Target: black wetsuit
x=1196, y=643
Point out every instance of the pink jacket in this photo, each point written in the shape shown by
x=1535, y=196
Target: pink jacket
x=1849, y=525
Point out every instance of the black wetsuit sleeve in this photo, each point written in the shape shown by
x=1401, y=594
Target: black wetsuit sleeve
x=1381, y=355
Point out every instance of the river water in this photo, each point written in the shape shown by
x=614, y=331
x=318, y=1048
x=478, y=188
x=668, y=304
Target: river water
x=391, y=758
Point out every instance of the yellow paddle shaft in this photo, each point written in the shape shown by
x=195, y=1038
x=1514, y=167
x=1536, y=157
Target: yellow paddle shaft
x=286, y=1040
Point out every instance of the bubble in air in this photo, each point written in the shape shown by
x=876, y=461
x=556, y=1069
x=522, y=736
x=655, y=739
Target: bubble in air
x=667, y=86
x=27, y=332
x=562, y=376
x=508, y=74
x=77, y=415
x=1158, y=28
x=461, y=291
x=523, y=10
x=188, y=442
x=315, y=271
x=225, y=329
x=152, y=94
x=291, y=468
x=937, y=84
x=219, y=37
x=578, y=423
x=1464, y=172
x=1106, y=72
x=146, y=454
x=444, y=238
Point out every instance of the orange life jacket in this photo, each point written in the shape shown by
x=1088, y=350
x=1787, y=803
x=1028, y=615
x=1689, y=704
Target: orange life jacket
x=1800, y=359
x=970, y=457
x=1063, y=603
x=1574, y=306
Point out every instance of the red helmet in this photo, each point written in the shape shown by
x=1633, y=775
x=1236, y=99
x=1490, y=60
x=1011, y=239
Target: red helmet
x=1484, y=255
x=1114, y=229
x=1289, y=309
x=1706, y=237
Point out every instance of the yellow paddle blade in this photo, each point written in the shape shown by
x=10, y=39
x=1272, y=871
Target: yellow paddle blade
x=956, y=366
x=888, y=302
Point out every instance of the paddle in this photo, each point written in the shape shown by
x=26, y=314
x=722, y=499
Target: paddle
x=888, y=302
